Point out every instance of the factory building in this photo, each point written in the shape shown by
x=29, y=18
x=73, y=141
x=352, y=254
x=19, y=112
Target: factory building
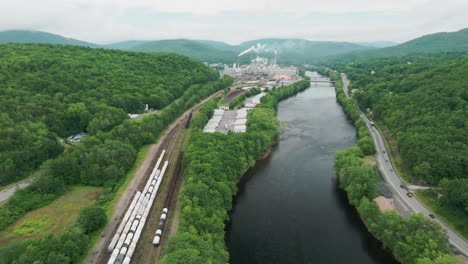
x=260, y=65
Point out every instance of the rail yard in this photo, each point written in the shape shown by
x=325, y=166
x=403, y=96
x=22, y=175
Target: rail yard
x=172, y=143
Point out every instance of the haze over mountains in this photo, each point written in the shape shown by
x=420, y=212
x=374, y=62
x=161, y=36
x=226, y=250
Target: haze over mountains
x=290, y=51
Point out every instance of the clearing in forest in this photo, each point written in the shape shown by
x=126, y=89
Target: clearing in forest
x=55, y=217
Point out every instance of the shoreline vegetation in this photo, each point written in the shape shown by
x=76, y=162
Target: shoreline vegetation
x=412, y=240
x=213, y=165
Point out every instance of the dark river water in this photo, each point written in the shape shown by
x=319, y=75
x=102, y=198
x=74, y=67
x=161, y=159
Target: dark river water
x=289, y=208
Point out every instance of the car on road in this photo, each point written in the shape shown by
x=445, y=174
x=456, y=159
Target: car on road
x=386, y=160
x=383, y=151
x=391, y=169
x=431, y=216
x=409, y=194
x=402, y=186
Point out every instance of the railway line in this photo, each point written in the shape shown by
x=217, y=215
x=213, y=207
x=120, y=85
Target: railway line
x=173, y=141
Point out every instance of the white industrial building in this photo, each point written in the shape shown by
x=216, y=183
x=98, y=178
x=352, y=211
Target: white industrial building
x=259, y=65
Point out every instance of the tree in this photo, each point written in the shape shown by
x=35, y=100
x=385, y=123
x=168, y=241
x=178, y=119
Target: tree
x=91, y=219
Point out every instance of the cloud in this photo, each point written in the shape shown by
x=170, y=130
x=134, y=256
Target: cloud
x=235, y=21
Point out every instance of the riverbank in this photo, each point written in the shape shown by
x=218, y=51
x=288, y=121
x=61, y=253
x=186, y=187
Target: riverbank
x=288, y=208
x=213, y=165
x=432, y=241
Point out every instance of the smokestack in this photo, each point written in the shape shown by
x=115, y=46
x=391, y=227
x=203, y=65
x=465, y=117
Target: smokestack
x=274, y=60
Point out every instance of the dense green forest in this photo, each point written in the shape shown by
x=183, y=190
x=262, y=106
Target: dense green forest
x=100, y=160
x=49, y=90
x=213, y=164
x=423, y=106
x=413, y=240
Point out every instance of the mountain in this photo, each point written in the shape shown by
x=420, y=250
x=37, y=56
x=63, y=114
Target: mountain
x=218, y=44
x=299, y=51
x=377, y=44
x=191, y=48
x=438, y=42
x=126, y=45
x=30, y=36
x=290, y=51
x=433, y=43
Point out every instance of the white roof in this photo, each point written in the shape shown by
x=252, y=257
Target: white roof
x=218, y=112
x=240, y=129
x=216, y=118
x=241, y=121
x=208, y=130
x=213, y=123
x=256, y=99
x=241, y=115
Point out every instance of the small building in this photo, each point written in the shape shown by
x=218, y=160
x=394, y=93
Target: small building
x=384, y=204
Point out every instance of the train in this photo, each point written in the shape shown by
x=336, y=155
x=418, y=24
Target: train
x=123, y=244
x=187, y=125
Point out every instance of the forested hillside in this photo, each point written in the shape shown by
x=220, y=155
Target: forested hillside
x=85, y=82
x=191, y=48
x=48, y=91
x=31, y=36
x=424, y=106
x=432, y=43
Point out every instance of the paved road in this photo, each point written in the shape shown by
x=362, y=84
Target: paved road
x=8, y=192
x=394, y=181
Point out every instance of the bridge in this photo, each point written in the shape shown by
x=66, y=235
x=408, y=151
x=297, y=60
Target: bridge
x=317, y=80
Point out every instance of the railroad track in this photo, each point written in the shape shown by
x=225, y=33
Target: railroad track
x=173, y=142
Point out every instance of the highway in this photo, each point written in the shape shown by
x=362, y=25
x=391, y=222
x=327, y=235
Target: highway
x=394, y=181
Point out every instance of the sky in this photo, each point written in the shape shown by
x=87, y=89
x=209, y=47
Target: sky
x=235, y=21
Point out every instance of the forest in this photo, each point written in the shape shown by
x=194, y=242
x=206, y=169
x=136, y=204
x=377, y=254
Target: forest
x=102, y=159
x=413, y=240
x=48, y=92
x=213, y=165
x=421, y=100
x=423, y=104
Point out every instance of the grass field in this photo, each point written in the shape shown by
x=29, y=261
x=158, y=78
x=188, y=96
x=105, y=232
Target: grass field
x=457, y=221
x=55, y=217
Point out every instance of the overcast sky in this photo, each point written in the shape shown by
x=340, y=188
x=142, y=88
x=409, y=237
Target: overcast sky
x=234, y=21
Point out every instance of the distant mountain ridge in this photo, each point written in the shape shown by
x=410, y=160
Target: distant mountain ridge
x=192, y=48
x=30, y=36
x=377, y=44
x=432, y=43
x=126, y=45
x=290, y=51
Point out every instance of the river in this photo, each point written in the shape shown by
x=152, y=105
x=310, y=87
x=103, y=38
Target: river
x=289, y=208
